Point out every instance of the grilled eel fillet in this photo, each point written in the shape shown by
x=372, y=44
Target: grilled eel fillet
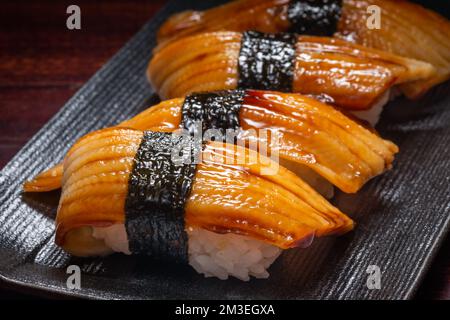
x=311, y=134
x=279, y=209
x=355, y=77
x=407, y=29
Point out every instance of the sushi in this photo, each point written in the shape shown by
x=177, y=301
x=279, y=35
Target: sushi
x=406, y=29
x=316, y=141
x=353, y=77
x=166, y=196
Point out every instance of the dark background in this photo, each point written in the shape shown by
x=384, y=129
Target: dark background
x=42, y=64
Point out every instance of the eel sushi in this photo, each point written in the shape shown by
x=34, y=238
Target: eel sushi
x=171, y=198
x=351, y=76
x=315, y=140
x=406, y=28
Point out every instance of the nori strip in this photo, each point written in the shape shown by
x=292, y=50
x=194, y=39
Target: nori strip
x=158, y=187
x=266, y=61
x=214, y=110
x=314, y=17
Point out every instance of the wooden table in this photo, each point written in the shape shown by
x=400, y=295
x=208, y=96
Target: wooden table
x=42, y=64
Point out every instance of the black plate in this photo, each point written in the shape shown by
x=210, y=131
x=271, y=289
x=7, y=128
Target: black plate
x=402, y=216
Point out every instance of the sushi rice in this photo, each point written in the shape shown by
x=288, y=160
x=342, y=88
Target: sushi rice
x=210, y=253
x=373, y=114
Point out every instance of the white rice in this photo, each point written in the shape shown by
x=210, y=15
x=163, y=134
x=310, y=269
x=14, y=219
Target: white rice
x=372, y=115
x=211, y=254
x=223, y=255
x=115, y=237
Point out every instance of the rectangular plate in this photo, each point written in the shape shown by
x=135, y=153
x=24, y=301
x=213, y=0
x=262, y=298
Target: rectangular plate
x=401, y=216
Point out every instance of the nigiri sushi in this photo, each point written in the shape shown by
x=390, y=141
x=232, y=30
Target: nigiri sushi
x=406, y=28
x=353, y=76
x=126, y=190
x=317, y=141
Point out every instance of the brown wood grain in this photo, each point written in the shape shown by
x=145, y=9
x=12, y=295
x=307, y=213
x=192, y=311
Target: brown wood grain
x=42, y=64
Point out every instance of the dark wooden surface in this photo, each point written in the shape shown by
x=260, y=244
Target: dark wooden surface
x=42, y=64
